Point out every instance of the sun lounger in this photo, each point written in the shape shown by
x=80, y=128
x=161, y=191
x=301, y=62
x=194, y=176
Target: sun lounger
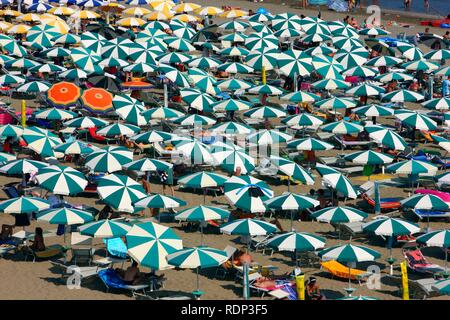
x=385, y=203
x=325, y=135
x=165, y=295
x=279, y=294
x=418, y=289
x=339, y=270
x=418, y=263
x=7, y=248
x=346, y=144
x=329, y=161
x=112, y=281
x=308, y=259
x=81, y=247
x=352, y=230
x=66, y=270
x=349, y=170
x=431, y=214
x=226, y=267
x=49, y=252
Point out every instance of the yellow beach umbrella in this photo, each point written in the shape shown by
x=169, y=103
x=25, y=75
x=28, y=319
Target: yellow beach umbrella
x=186, y=7
x=19, y=29
x=235, y=13
x=208, y=11
x=136, y=11
x=130, y=22
x=186, y=18
x=85, y=15
x=5, y=25
x=29, y=17
x=62, y=11
x=113, y=7
x=162, y=6
x=60, y=25
x=156, y=15
x=11, y=13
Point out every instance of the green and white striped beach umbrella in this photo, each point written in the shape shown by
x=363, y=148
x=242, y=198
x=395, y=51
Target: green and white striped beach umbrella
x=73, y=74
x=438, y=238
x=315, y=38
x=365, y=90
x=85, y=59
x=161, y=113
x=342, y=28
x=409, y=51
x=374, y=110
x=160, y=201
x=309, y=144
x=108, y=159
x=47, y=68
x=9, y=79
x=444, y=71
x=86, y=122
x=54, y=114
x=296, y=241
x=361, y=71
x=141, y=67
x=416, y=120
x=12, y=47
x=179, y=44
x=442, y=142
x=373, y=32
x=65, y=216
x=383, y=61
x=24, y=205
x=67, y=39
x=321, y=49
x=92, y=41
x=61, y=180
x=204, y=63
x=182, y=29
x=342, y=42
x=402, y=95
x=337, y=103
x=259, y=40
x=263, y=58
x=152, y=136
x=337, y=181
x=349, y=253
x=391, y=76
x=202, y=213
x=22, y=63
x=235, y=37
x=145, y=52
x=231, y=105
x=420, y=65
x=174, y=57
x=120, y=192
x=303, y=120
x=235, y=67
x=197, y=99
x=202, y=179
x=248, y=227
x=75, y=147
x=11, y=130
x=292, y=169
x=234, y=51
x=289, y=33
x=41, y=141
x=295, y=62
x=149, y=244
x=328, y=67
x=247, y=193
x=412, y=167
x=196, y=151
x=265, y=112
x=42, y=34
x=105, y=229
x=233, y=84
x=34, y=87
x=147, y=164
x=291, y=201
x=194, y=119
x=330, y=84
x=286, y=20
x=339, y=215
x=369, y=157
x=22, y=166
x=268, y=137
x=129, y=109
x=313, y=25
x=205, y=83
x=386, y=137
x=300, y=96
x=352, y=57
x=342, y=127
x=391, y=227
x=5, y=157
x=424, y=202
x=437, y=104
x=234, y=25
x=441, y=54
x=231, y=157
x=113, y=62
x=231, y=128
x=117, y=129
x=117, y=48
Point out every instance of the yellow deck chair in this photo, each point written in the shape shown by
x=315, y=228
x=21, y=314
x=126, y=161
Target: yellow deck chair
x=49, y=252
x=341, y=271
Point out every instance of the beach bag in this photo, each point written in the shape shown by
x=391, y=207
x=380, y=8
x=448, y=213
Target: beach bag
x=61, y=230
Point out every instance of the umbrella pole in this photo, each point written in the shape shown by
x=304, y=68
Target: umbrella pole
x=201, y=231
x=292, y=219
x=289, y=183
x=445, y=264
x=350, y=289
x=198, y=281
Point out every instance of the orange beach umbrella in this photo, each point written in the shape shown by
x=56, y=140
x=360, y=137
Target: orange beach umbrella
x=63, y=94
x=97, y=100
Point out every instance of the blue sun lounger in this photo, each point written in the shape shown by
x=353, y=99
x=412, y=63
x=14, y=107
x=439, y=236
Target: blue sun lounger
x=112, y=281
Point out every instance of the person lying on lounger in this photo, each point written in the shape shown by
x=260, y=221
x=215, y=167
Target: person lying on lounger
x=38, y=242
x=312, y=290
x=132, y=275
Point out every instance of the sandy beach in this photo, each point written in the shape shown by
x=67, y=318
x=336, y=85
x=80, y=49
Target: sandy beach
x=21, y=279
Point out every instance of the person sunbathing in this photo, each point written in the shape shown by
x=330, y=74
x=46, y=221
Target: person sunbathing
x=132, y=275
x=313, y=290
x=241, y=258
x=6, y=233
x=38, y=242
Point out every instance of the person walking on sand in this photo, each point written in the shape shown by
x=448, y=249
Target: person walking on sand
x=426, y=4
x=407, y=4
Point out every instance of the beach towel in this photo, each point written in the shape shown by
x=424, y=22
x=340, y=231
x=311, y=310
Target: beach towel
x=116, y=247
x=112, y=279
